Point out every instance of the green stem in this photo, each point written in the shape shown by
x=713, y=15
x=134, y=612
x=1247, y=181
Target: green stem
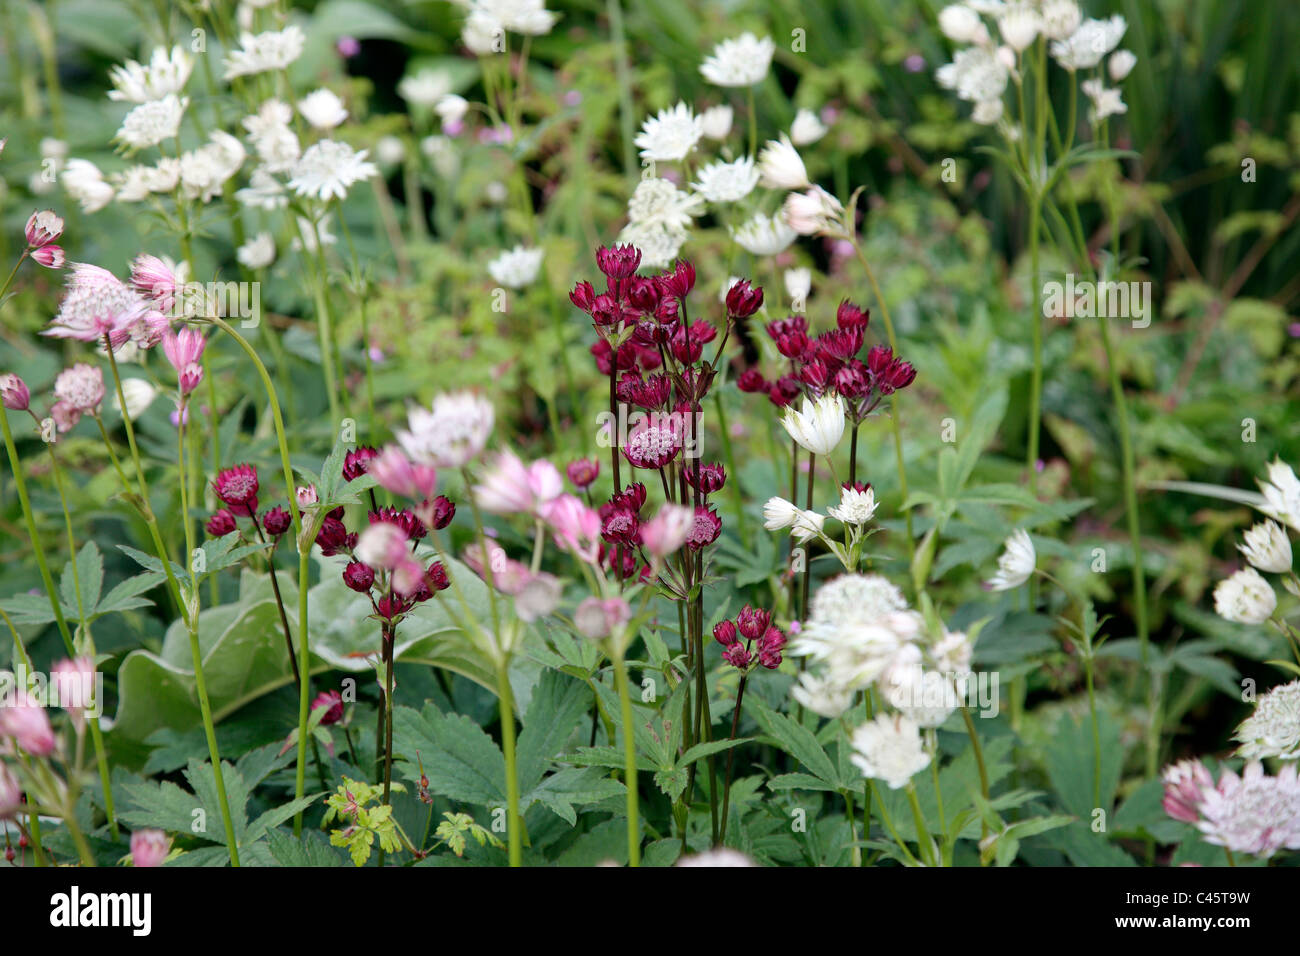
x=629, y=764
x=923, y=841
x=506, y=703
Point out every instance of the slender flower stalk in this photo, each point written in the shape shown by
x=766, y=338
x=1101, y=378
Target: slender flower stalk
x=514, y=824
x=731, y=757
x=629, y=762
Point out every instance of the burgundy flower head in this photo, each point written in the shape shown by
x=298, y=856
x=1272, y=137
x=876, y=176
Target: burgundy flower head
x=333, y=537
x=751, y=380
x=276, y=521
x=583, y=296
x=221, y=523
x=710, y=478
x=752, y=622
x=237, y=487
x=618, y=262
x=334, y=701
x=705, y=530
x=737, y=656
x=725, y=633
x=359, y=577
x=583, y=472
x=442, y=511
x=743, y=299
x=354, y=465
x=849, y=316
x=680, y=281
x=620, y=526
x=436, y=577
x=404, y=518
x=643, y=294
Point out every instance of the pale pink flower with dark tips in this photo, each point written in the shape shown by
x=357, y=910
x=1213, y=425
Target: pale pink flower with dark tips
x=574, y=526
x=43, y=228
x=511, y=487
x=149, y=847
x=1185, y=784
x=96, y=304
x=25, y=720
x=396, y=473
x=667, y=531
x=51, y=257
x=597, y=618
x=155, y=280
x=17, y=397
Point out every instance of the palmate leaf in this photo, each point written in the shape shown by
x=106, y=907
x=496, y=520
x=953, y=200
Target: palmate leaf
x=89, y=574
x=799, y=742
x=557, y=705
x=461, y=761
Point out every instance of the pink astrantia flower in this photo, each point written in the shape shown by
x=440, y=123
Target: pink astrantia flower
x=238, y=487
x=1185, y=785
x=77, y=391
x=96, y=304
x=51, y=256
x=149, y=847
x=1253, y=813
x=44, y=227
x=654, y=442
x=74, y=680
x=25, y=720
x=396, y=473
x=183, y=348
x=597, y=618
x=511, y=487
x=574, y=527
x=153, y=279
x=667, y=531
x=13, y=390
x=383, y=545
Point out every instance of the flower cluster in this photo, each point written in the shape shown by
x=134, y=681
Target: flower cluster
x=1246, y=597
x=751, y=638
x=1251, y=813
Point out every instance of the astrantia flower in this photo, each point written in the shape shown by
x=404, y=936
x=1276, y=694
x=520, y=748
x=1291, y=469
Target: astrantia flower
x=15, y=393
x=425, y=88
x=976, y=74
x=716, y=122
x=274, y=142
x=812, y=212
x=237, y=487
x=383, y=545
x=1106, y=101
x=818, y=426
x=1281, y=494
x=668, y=530
x=780, y=166
x=889, y=748
x=204, y=171
x=516, y=268
x=806, y=128
x=705, y=528
x=1245, y=598
x=1273, y=730
x=987, y=113
x=855, y=597
x=451, y=433
x=856, y=506
x=1185, y=784
x=527, y=17
x=961, y=24
x=658, y=202
x=96, y=303
x=85, y=183
x=822, y=695
x=1267, y=547
x=153, y=122
x=322, y=109
x=258, y=252
x=1121, y=64
x=1019, y=23
x=740, y=61
x=1253, y=813
x=653, y=443
x=727, y=182
x=167, y=72
x=511, y=487
x=328, y=169
x=764, y=235
x=272, y=50
x=779, y=513
x=1016, y=563
x=806, y=525
x=670, y=135
x=263, y=191
x=451, y=109
x=1086, y=46
x=81, y=388
x=1060, y=18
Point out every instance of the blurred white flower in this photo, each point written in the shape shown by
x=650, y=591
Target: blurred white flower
x=328, y=169
x=1245, y=598
x=806, y=128
x=855, y=507
x=670, y=135
x=83, y=181
x=167, y=72
x=1267, y=547
x=822, y=695
x=451, y=109
x=807, y=525
x=889, y=748
x=961, y=24
x=258, y=252
x=139, y=395
x=322, y=109
x=451, y=433
x=272, y=50
x=657, y=202
x=720, y=857
x=798, y=284
x=716, y=122
x=987, y=113
x=780, y=166
x=727, y=182
x=516, y=268
x=1281, y=494
x=153, y=122
x=851, y=597
x=818, y=426
x=1273, y=729
x=659, y=243
x=425, y=88
x=779, y=513
x=740, y=61
x=390, y=150
x=1085, y=47
x=764, y=235
x=1060, y=18
x=1106, y=101
x=263, y=191
x=1121, y=64
x=813, y=212
x=204, y=171
x=1016, y=564
x=309, y=232
x=1019, y=23
x=976, y=74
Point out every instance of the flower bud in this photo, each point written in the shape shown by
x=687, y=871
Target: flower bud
x=43, y=228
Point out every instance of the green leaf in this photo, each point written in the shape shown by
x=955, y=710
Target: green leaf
x=311, y=850
x=89, y=574
x=461, y=761
x=558, y=703
x=798, y=741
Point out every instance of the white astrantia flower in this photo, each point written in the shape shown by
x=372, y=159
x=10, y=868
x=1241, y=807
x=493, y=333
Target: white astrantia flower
x=740, y=61
x=1121, y=64
x=822, y=695
x=1085, y=47
x=258, y=53
x=976, y=74
x=658, y=202
x=328, y=169
x=153, y=122
x=390, y=150
x=204, y=171
x=855, y=507
x=670, y=135
x=167, y=72
x=1060, y=18
x=1281, y=493
x=258, y=252
x=527, y=17
x=1106, y=101
x=451, y=433
x=322, y=109
x=451, y=108
x=807, y=525
x=856, y=653
x=764, y=235
x=987, y=113
x=313, y=233
x=263, y=191
x=817, y=426
x=516, y=268
x=780, y=167
x=952, y=653
x=806, y=128
x=927, y=698
x=727, y=182
x=1019, y=23
x=139, y=395
x=1016, y=563
x=889, y=748
x=132, y=184
x=83, y=181
x=854, y=597
x=716, y=122
x=779, y=513
x=441, y=151
x=483, y=34
x=1253, y=813
x=1245, y=598
x=1273, y=730
x=1267, y=547
x=798, y=284
x=960, y=24
x=814, y=212
x=425, y=88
